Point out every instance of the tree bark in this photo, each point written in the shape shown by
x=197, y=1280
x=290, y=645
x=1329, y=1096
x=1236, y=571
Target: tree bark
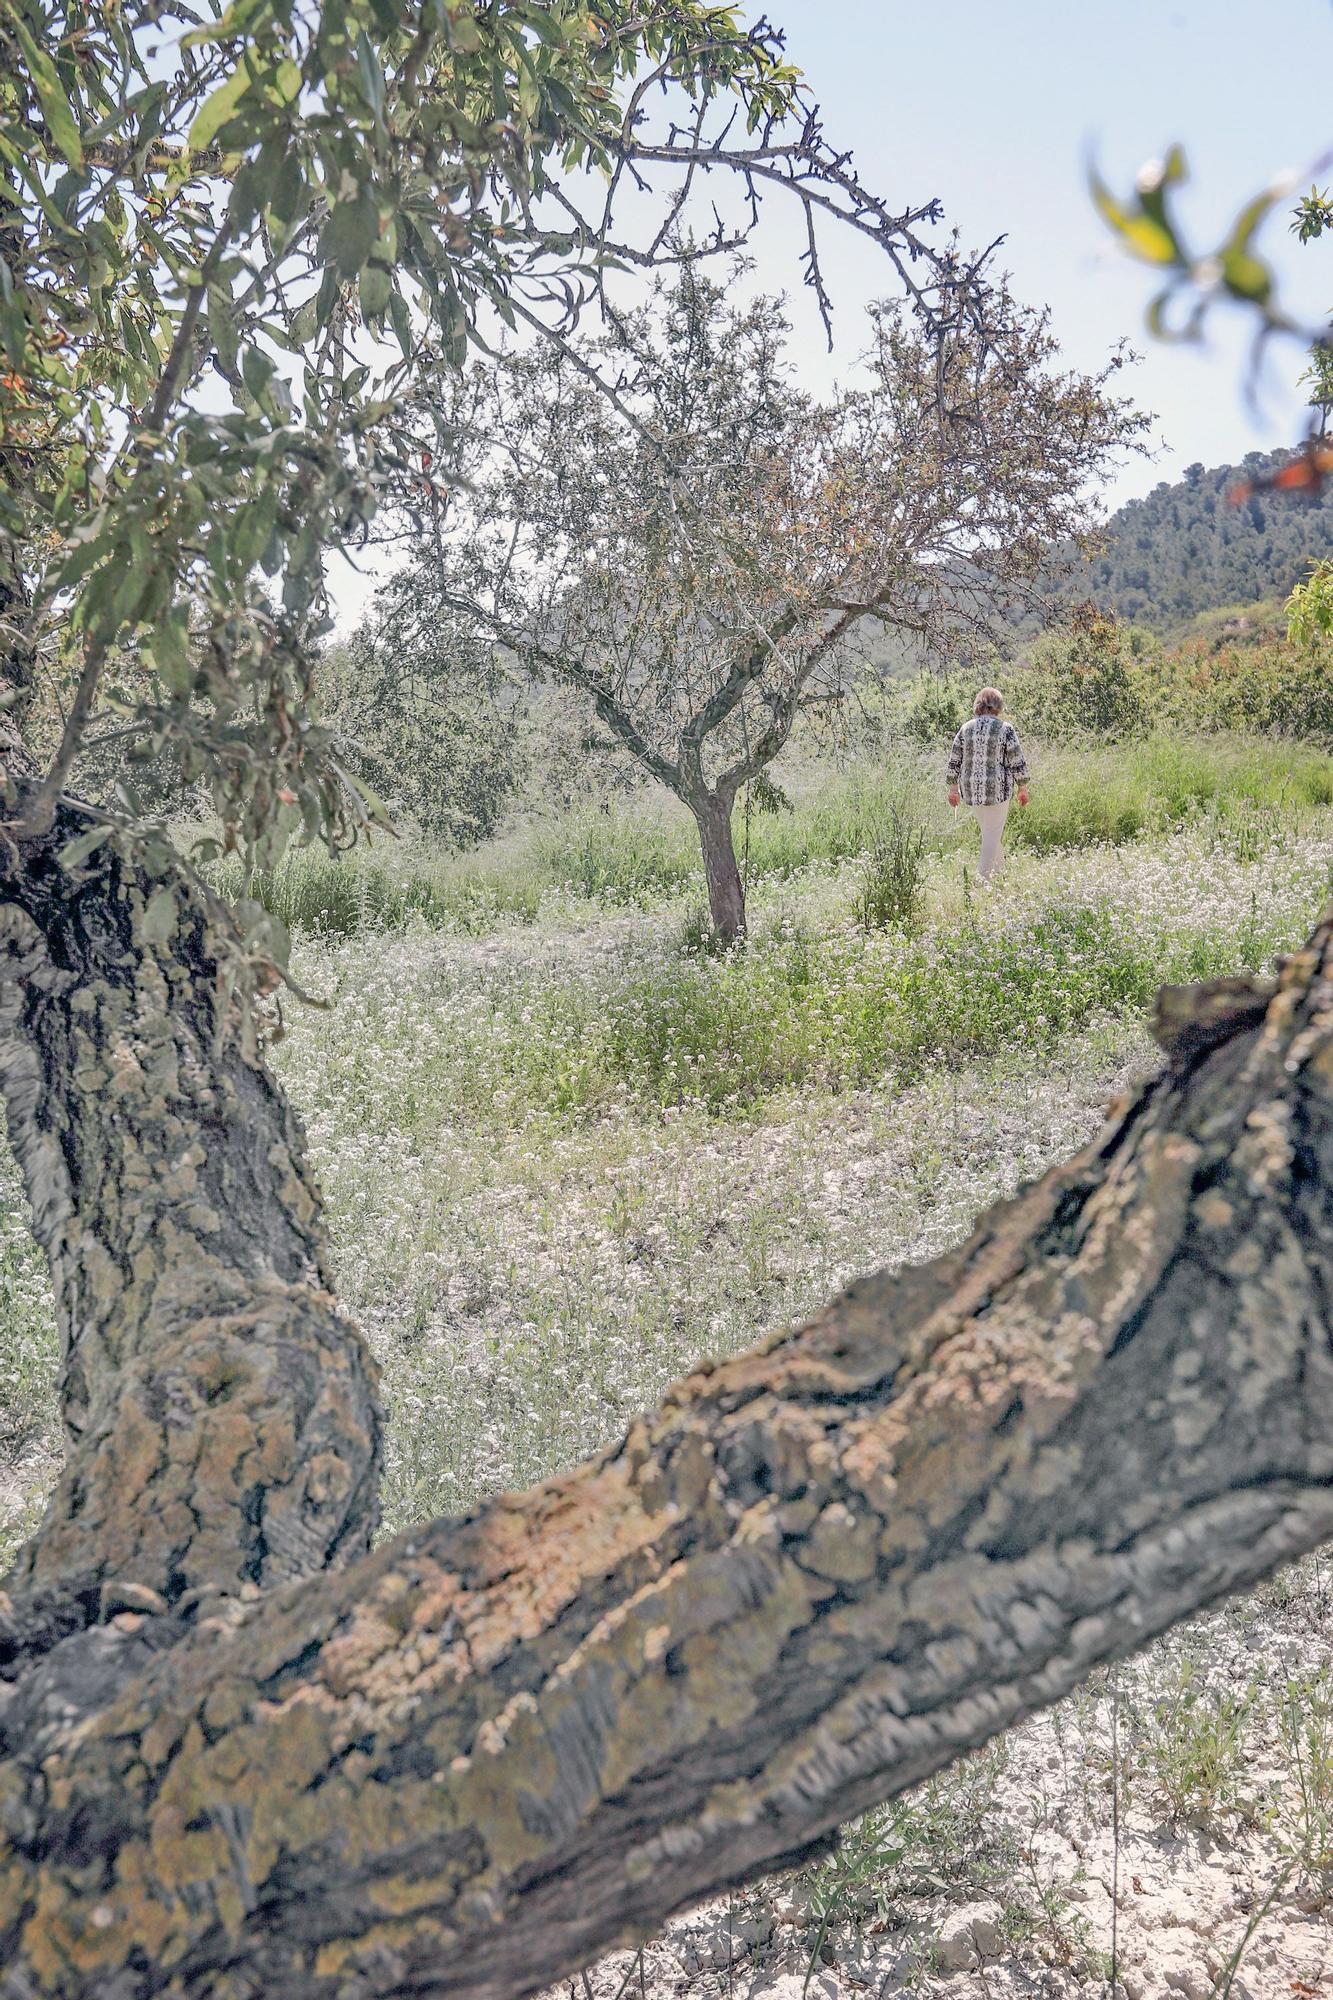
x=726, y=892
x=221, y=1416
x=817, y=1573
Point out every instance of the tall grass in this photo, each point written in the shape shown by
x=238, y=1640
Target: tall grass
x=641, y=856
x=1134, y=791
x=553, y=1026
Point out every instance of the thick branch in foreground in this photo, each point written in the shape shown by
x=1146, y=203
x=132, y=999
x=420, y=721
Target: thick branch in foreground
x=815, y=1575
x=221, y=1415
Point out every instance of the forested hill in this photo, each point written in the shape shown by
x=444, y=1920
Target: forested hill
x=1187, y=548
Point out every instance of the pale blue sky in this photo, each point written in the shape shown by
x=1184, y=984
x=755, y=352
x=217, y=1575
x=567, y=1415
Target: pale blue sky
x=994, y=107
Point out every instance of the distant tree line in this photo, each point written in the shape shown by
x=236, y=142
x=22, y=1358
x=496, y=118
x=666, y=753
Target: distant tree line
x=1189, y=548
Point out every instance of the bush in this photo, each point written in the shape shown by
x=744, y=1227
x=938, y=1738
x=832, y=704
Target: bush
x=937, y=708
x=1088, y=680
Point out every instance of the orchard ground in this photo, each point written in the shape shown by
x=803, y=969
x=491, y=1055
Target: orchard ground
x=568, y=1150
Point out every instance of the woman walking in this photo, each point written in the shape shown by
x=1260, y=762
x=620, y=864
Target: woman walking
x=986, y=764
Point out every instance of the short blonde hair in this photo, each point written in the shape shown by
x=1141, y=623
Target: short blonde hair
x=989, y=701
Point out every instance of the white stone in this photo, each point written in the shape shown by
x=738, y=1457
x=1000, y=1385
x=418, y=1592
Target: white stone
x=971, y=1937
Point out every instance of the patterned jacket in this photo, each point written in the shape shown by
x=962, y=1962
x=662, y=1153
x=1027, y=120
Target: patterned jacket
x=987, y=761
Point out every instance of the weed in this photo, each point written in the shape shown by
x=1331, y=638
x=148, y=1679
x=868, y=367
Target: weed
x=1192, y=1748
x=893, y=875
x=1304, y=1811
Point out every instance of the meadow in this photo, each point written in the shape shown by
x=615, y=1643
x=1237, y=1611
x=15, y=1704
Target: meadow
x=568, y=1149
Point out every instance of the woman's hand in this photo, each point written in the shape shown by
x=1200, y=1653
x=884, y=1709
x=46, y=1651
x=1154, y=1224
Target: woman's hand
x=1022, y=795
x=953, y=795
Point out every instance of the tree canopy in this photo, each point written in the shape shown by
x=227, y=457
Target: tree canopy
x=663, y=521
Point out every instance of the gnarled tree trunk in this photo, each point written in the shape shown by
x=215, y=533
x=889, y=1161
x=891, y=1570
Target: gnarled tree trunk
x=726, y=892
x=220, y=1414
x=472, y=1760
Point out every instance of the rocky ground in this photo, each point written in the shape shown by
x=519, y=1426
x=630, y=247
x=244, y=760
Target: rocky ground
x=1165, y=1834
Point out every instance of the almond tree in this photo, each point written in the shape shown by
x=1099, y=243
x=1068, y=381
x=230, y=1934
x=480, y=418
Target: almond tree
x=663, y=521
x=242, y=1753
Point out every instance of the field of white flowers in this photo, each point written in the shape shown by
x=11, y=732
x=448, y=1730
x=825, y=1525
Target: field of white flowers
x=566, y=1157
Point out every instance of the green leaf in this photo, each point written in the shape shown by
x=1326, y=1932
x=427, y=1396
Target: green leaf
x=256, y=371
x=1246, y=276
x=305, y=324
x=159, y=918
x=288, y=198
x=464, y=33
x=75, y=852
x=351, y=232
x=374, y=288
x=64, y=126
x=216, y=110
x=285, y=84
x=1141, y=233
x=370, y=75
x=402, y=321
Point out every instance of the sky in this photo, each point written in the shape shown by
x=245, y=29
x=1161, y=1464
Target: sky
x=996, y=109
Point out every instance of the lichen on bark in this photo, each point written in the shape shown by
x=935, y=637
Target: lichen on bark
x=220, y=1413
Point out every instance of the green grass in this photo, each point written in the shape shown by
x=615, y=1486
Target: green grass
x=576, y=1024
x=646, y=854
x=1136, y=791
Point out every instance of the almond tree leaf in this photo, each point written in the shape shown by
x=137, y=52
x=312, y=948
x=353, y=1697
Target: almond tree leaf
x=60, y=119
x=1246, y=276
x=75, y=852
x=215, y=111
x=1142, y=234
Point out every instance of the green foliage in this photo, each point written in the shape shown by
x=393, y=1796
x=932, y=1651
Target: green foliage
x=1313, y=214
x=1278, y=689
x=1084, y=681
x=428, y=727
x=1310, y=607
x=1148, y=227
x=1144, y=789
x=893, y=874
x=1191, y=546
x=1304, y=1811
x=936, y=708
x=1192, y=1747
x=1095, y=679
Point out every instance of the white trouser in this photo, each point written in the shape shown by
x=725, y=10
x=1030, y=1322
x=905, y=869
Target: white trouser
x=991, y=820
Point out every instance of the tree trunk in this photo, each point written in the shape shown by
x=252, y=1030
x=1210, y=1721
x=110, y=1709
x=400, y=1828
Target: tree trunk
x=726, y=892
x=221, y=1416
x=482, y=1755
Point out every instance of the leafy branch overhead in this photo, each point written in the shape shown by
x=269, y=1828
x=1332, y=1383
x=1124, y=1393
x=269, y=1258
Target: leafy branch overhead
x=1148, y=227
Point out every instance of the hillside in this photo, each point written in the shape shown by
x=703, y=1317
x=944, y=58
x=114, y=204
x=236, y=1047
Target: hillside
x=1187, y=549
x=1185, y=561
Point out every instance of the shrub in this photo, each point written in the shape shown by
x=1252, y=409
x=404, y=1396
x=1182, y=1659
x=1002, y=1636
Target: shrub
x=936, y=708
x=1089, y=680
x=1305, y=1802
x=1194, y=1749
